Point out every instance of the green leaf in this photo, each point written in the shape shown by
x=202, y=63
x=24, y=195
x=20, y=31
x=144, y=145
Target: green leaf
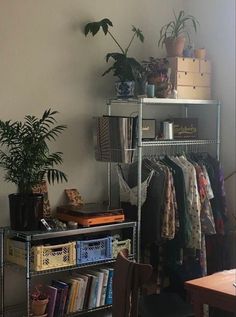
x=26, y=157
x=94, y=27
x=138, y=33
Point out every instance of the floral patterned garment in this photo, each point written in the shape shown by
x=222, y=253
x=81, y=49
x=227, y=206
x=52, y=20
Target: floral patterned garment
x=194, y=204
x=206, y=193
x=170, y=221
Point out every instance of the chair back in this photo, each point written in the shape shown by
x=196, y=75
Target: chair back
x=127, y=279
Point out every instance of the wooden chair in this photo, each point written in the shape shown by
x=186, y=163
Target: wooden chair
x=128, y=279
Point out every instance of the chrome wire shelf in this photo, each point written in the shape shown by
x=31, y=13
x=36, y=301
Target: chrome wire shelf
x=177, y=142
x=162, y=101
x=86, y=311
x=75, y=267
x=40, y=235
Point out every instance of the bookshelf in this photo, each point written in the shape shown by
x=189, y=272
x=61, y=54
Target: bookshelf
x=126, y=230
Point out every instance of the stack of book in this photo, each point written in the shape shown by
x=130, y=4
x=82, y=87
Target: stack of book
x=86, y=290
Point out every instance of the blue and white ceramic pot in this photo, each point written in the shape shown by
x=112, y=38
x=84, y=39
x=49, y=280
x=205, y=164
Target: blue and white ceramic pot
x=125, y=89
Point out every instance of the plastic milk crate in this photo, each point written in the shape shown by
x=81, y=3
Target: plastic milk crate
x=43, y=257
x=117, y=246
x=95, y=250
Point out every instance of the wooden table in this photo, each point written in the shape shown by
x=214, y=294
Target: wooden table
x=216, y=290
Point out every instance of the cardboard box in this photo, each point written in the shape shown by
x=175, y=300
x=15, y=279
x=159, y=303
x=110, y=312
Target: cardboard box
x=185, y=128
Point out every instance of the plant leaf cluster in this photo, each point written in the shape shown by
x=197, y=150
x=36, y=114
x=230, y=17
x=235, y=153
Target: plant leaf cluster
x=156, y=66
x=176, y=27
x=38, y=293
x=124, y=67
x=25, y=155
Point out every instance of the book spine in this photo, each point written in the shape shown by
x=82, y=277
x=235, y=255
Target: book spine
x=108, y=300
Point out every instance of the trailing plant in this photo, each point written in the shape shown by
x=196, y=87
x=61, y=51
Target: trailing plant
x=38, y=293
x=25, y=155
x=124, y=67
x=176, y=27
x=156, y=66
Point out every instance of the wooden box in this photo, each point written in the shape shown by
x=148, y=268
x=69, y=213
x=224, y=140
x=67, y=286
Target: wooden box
x=202, y=80
x=193, y=92
x=192, y=79
x=184, y=64
x=205, y=66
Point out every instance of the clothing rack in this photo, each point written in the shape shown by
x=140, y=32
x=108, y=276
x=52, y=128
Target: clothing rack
x=163, y=146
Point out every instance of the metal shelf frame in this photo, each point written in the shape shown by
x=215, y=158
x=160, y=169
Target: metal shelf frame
x=142, y=104
x=30, y=236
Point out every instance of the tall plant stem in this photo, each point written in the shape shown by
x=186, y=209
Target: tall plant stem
x=116, y=42
x=126, y=51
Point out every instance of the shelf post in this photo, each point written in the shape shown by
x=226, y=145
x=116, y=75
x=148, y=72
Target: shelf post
x=218, y=131
x=28, y=256
x=140, y=115
x=2, y=273
x=109, y=164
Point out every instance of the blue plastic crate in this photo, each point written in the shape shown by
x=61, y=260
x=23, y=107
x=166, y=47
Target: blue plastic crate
x=94, y=250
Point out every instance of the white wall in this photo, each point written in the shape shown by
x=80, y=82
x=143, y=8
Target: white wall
x=46, y=61
x=217, y=35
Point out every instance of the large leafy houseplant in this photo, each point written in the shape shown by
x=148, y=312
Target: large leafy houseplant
x=173, y=33
x=26, y=158
x=124, y=67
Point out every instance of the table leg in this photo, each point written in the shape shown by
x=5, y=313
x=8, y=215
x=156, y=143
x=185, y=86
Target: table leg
x=197, y=308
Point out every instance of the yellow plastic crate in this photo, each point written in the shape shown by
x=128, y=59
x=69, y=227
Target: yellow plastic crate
x=117, y=246
x=43, y=257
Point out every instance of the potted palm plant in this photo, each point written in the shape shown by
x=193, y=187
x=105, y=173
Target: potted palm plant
x=125, y=68
x=173, y=33
x=27, y=161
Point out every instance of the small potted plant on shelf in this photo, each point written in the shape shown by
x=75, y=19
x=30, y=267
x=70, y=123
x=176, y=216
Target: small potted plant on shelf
x=127, y=69
x=39, y=301
x=26, y=158
x=172, y=33
x=157, y=70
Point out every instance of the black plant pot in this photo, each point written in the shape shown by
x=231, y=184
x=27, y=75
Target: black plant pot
x=26, y=211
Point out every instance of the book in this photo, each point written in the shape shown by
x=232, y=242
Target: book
x=68, y=296
x=73, y=300
x=104, y=286
x=77, y=303
x=108, y=300
x=100, y=276
x=93, y=292
x=71, y=296
x=83, y=289
x=87, y=291
x=52, y=295
x=62, y=288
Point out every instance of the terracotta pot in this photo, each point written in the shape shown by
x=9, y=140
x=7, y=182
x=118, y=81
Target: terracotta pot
x=175, y=46
x=38, y=307
x=200, y=53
